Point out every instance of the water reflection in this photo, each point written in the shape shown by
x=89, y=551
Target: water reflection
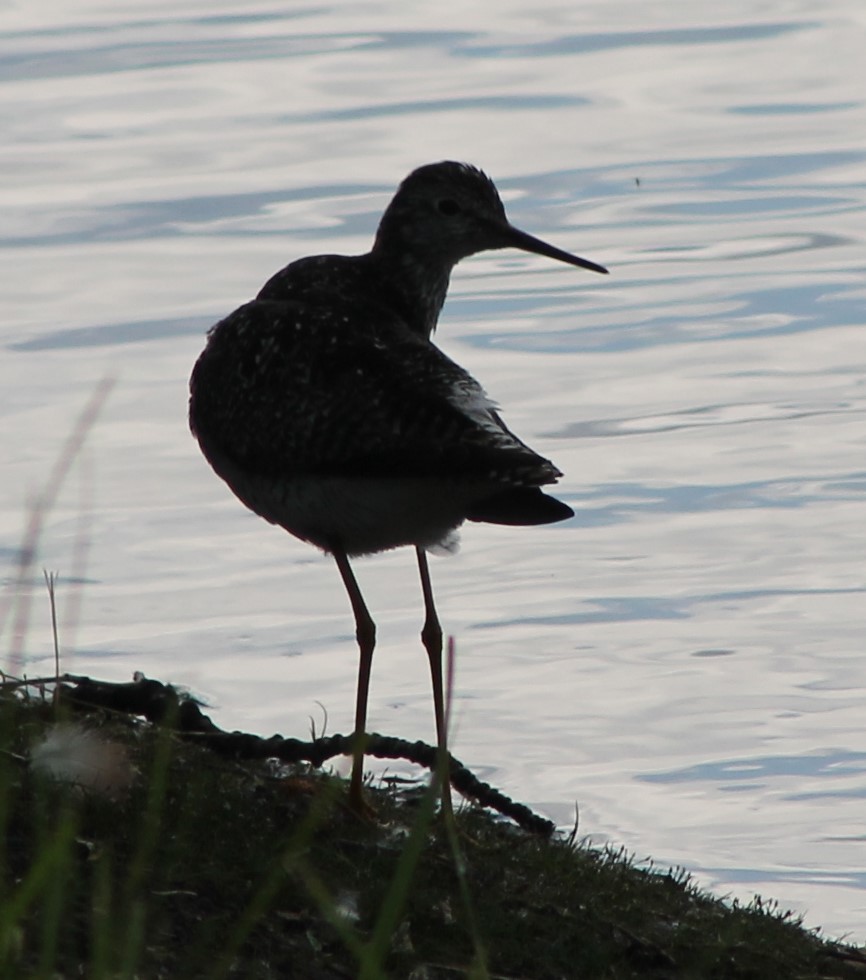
x=618, y=609
x=764, y=769
x=778, y=311
x=113, y=334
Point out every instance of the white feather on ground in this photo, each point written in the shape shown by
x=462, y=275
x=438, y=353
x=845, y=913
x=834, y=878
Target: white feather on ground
x=84, y=758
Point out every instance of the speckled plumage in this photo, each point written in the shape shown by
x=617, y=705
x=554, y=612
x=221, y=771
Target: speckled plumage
x=330, y=373
x=327, y=409
x=292, y=393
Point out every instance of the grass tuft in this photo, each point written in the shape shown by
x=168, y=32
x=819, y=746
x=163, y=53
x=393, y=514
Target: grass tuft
x=208, y=868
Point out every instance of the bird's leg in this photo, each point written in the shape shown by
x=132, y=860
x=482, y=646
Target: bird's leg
x=365, y=632
x=431, y=637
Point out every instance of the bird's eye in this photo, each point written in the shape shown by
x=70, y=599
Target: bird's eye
x=448, y=206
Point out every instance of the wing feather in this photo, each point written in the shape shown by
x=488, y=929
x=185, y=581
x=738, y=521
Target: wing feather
x=299, y=388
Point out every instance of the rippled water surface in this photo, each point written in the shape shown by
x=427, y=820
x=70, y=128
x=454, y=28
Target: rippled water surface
x=685, y=658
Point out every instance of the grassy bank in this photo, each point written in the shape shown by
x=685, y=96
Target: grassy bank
x=195, y=864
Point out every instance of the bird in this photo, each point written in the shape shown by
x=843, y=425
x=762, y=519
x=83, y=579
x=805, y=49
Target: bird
x=326, y=407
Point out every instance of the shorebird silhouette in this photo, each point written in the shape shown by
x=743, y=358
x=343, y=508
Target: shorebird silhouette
x=326, y=408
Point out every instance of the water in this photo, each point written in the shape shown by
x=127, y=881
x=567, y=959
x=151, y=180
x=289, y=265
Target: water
x=684, y=660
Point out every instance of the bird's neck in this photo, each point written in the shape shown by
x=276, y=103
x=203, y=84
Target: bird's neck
x=417, y=284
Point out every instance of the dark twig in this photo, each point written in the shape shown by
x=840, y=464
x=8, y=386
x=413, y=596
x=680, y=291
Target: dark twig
x=160, y=702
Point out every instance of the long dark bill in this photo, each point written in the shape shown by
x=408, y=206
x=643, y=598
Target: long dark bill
x=515, y=238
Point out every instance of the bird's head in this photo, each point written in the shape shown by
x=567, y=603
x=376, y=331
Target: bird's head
x=444, y=212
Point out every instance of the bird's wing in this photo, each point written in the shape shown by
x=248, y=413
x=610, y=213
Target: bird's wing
x=288, y=388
